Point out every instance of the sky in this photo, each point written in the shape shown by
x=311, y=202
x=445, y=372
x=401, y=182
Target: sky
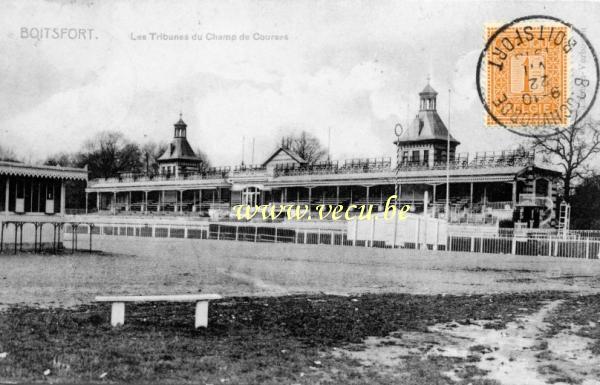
x=352, y=68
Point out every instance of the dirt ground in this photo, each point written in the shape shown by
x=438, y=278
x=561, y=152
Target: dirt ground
x=451, y=318
x=521, y=352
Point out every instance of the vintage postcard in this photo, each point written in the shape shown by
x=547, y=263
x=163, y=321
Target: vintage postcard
x=299, y=192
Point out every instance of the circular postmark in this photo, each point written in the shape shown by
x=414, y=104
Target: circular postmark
x=536, y=75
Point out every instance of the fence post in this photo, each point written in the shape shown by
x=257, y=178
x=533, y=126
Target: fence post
x=396, y=232
x=237, y=232
x=153, y=231
x=587, y=248
x=90, y=227
x=437, y=234
x=355, y=231
x=472, y=243
x=255, y=233
x=218, y=232
x=417, y=233
x=297, y=234
x=514, y=245
x=372, y=231
x=275, y=234
x=332, y=238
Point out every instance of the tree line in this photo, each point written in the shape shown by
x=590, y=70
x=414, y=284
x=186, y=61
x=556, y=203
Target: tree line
x=110, y=153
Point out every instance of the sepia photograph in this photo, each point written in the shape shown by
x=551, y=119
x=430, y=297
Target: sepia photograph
x=300, y=192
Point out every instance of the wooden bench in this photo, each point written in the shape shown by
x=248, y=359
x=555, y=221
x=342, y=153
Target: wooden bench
x=117, y=314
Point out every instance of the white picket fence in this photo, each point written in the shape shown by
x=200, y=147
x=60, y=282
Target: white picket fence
x=588, y=248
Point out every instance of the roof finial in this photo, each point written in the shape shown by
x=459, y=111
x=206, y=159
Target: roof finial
x=428, y=78
x=180, y=114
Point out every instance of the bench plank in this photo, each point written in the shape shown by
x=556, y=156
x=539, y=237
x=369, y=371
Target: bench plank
x=159, y=298
x=117, y=314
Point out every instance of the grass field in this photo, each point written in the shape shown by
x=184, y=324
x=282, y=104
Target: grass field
x=297, y=314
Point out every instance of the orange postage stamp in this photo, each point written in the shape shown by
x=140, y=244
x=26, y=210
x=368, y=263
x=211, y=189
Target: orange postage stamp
x=527, y=75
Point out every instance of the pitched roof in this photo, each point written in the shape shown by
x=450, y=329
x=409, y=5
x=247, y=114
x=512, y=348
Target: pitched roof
x=295, y=157
x=428, y=90
x=57, y=172
x=426, y=126
x=179, y=148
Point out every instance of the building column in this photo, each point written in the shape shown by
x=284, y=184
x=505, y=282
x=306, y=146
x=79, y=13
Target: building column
x=98, y=201
x=63, y=197
x=514, y=193
x=310, y=199
x=484, y=196
x=160, y=199
x=114, y=202
x=129, y=201
x=399, y=192
x=550, y=196
x=337, y=195
x=145, y=201
x=7, y=194
x=434, y=192
x=471, y=197
x=176, y=207
x=86, y=201
x=368, y=188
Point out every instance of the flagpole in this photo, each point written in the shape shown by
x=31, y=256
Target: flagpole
x=243, y=145
x=448, y=161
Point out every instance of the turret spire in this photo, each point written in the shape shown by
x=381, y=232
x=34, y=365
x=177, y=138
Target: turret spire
x=180, y=127
x=428, y=97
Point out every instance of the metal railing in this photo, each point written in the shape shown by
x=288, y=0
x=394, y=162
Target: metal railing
x=251, y=169
x=349, y=166
x=476, y=160
x=209, y=173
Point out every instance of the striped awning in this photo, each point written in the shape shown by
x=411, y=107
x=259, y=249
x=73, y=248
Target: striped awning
x=54, y=172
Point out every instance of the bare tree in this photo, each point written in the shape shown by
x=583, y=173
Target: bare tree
x=150, y=152
x=109, y=153
x=306, y=145
x=62, y=159
x=202, y=155
x=571, y=148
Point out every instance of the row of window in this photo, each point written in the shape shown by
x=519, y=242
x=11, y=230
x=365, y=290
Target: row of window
x=415, y=156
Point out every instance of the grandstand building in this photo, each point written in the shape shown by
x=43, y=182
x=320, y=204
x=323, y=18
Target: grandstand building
x=485, y=187
x=37, y=189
